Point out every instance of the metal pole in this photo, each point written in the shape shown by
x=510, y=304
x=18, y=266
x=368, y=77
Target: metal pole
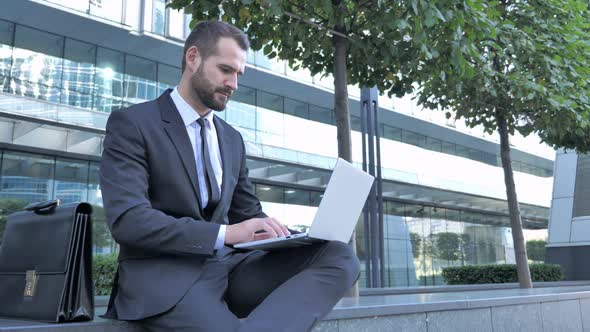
x=369, y=97
x=379, y=193
x=366, y=220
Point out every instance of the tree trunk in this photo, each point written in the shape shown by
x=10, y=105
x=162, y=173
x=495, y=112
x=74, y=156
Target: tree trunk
x=342, y=115
x=522, y=264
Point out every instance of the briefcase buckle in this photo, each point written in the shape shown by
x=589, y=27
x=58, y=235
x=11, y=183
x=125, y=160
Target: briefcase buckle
x=31, y=283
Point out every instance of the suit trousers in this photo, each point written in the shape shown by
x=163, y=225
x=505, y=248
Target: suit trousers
x=284, y=290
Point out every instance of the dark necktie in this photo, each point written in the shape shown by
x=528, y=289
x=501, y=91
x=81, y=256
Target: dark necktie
x=212, y=187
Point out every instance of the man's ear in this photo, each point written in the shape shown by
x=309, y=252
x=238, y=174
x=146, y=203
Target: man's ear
x=192, y=58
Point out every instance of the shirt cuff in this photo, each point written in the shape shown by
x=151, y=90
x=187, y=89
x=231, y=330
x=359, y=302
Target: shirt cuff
x=220, y=237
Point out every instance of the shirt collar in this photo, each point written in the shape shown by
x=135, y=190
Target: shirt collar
x=187, y=113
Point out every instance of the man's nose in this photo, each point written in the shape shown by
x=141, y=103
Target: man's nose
x=232, y=82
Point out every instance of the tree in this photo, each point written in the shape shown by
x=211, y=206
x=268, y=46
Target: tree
x=448, y=246
x=359, y=42
x=514, y=66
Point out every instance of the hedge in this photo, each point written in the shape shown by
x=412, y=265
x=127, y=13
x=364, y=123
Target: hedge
x=103, y=272
x=495, y=274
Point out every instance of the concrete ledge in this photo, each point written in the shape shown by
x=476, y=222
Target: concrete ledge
x=464, y=288
x=545, y=308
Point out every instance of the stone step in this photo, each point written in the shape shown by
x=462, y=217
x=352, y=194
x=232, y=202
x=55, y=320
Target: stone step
x=565, y=308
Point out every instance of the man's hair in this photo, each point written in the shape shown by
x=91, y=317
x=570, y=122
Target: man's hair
x=206, y=35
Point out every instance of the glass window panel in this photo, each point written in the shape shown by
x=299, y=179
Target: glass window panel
x=245, y=95
x=78, y=67
x=392, y=133
x=320, y=114
x=462, y=151
x=110, y=9
x=433, y=144
x=355, y=123
x=133, y=13
x=159, y=17
x=394, y=208
x=270, y=122
x=240, y=114
x=39, y=41
x=581, y=207
x=168, y=77
x=176, y=23
x=140, y=80
x=296, y=108
x=71, y=180
x=109, y=74
x=37, y=62
x=262, y=60
x=77, y=99
x=36, y=90
x=26, y=177
x=413, y=138
x=73, y=4
x=448, y=147
x=270, y=194
x=187, y=29
x=315, y=197
x=6, y=34
x=269, y=101
x=297, y=196
x=94, y=194
x=107, y=105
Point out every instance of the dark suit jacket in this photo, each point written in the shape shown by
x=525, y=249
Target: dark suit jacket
x=151, y=198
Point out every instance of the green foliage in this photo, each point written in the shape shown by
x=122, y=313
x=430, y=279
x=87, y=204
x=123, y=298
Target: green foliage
x=536, y=250
x=104, y=268
x=526, y=61
x=448, y=246
x=416, y=242
x=495, y=274
x=386, y=39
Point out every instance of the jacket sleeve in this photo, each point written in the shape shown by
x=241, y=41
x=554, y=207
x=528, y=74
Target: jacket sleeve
x=124, y=178
x=244, y=204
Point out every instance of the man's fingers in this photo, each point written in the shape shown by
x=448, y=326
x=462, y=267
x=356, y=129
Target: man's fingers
x=283, y=228
x=268, y=228
x=261, y=236
x=277, y=227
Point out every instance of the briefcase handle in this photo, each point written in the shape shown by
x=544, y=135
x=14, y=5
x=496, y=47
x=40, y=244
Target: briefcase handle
x=45, y=206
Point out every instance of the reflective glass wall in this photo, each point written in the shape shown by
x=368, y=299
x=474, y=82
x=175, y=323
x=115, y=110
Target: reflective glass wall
x=419, y=240
x=44, y=66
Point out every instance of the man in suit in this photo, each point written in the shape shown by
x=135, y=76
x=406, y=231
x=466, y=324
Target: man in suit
x=177, y=196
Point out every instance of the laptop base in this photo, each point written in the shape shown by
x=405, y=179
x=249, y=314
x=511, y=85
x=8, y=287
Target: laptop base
x=292, y=241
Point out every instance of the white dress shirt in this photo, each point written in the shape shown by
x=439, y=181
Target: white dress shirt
x=189, y=118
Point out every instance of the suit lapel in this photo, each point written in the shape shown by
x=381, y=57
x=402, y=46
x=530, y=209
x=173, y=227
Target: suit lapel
x=174, y=127
x=226, y=165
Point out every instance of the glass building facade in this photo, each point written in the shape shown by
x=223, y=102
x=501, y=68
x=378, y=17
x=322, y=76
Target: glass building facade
x=291, y=144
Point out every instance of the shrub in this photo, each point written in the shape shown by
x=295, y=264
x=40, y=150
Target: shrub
x=495, y=274
x=103, y=273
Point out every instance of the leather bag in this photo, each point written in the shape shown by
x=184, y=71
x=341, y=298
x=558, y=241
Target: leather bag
x=46, y=263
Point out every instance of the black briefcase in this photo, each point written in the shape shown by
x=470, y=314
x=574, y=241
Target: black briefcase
x=46, y=263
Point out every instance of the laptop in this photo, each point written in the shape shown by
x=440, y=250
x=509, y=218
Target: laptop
x=336, y=216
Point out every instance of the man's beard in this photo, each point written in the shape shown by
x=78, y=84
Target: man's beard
x=206, y=91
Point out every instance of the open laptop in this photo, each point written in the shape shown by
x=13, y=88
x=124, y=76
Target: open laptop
x=337, y=214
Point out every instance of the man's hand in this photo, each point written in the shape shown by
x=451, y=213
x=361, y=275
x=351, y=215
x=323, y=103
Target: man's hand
x=245, y=231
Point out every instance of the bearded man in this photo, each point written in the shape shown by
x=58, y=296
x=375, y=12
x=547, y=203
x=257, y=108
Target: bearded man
x=177, y=197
